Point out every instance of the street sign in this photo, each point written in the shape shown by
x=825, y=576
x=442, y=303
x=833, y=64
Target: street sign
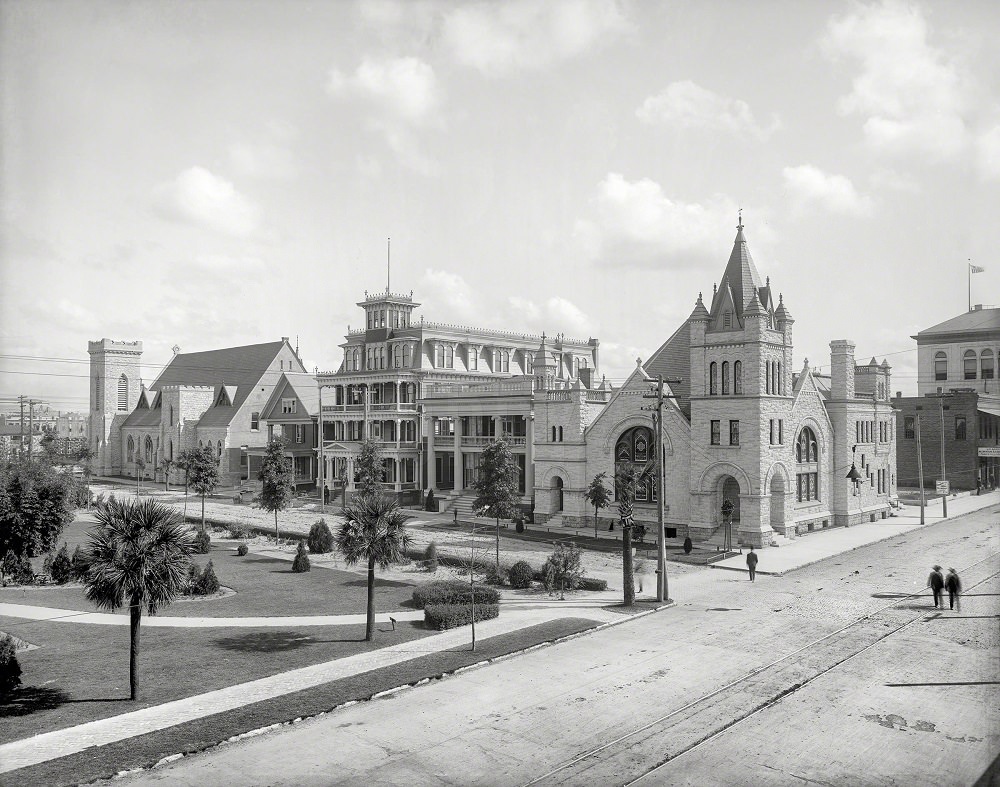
x=942, y=487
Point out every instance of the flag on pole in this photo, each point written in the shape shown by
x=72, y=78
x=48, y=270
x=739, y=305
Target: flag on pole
x=975, y=268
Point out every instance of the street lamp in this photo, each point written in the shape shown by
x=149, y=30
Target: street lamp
x=853, y=474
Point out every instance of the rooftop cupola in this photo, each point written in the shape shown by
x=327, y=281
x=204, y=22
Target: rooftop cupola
x=781, y=314
x=700, y=312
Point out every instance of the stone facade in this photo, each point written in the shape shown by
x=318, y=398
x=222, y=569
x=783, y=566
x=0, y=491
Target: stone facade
x=115, y=382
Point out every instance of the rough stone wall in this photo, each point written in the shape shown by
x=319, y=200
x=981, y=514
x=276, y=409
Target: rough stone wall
x=110, y=359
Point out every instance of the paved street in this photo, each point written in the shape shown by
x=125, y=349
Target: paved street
x=843, y=629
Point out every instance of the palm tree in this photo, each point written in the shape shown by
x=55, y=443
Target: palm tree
x=139, y=555
x=627, y=480
x=373, y=530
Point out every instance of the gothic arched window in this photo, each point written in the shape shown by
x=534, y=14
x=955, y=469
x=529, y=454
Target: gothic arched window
x=149, y=449
x=713, y=379
x=737, y=377
x=635, y=447
x=807, y=472
x=130, y=449
x=725, y=378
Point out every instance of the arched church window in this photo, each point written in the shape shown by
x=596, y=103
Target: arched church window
x=634, y=447
x=737, y=377
x=725, y=378
x=123, y=392
x=713, y=379
x=149, y=449
x=130, y=450
x=807, y=459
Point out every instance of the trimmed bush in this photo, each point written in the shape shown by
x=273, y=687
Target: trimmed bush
x=498, y=575
x=688, y=546
x=208, y=583
x=521, y=575
x=10, y=670
x=431, y=557
x=81, y=564
x=47, y=564
x=320, y=538
x=430, y=504
x=17, y=570
x=301, y=562
x=202, y=543
x=191, y=585
x=62, y=568
x=242, y=549
x=452, y=591
x=449, y=616
x=590, y=583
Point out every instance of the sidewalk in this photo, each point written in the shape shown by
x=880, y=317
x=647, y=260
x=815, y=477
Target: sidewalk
x=804, y=550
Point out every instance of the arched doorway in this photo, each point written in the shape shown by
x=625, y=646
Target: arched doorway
x=777, y=503
x=557, y=494
x=729, y=489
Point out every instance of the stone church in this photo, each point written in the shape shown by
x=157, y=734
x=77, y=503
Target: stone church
x=743, y=424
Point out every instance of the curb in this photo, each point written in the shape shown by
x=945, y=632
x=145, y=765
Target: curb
x=386, y=692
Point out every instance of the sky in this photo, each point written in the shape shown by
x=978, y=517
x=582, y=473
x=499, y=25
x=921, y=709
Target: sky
x=213, y=174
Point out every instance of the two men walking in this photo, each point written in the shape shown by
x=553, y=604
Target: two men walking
x=937, y=583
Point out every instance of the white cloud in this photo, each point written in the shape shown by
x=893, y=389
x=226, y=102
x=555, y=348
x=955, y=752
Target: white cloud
x=556, y=315
x=988, y=153
x=449, y=297
x=687, y=105
x=198, y=197
x=912, y=94
x=894, y=181
x=635, y=223
x=810, y=185
x=406, y=87
x=405, y=145
x=501, y=38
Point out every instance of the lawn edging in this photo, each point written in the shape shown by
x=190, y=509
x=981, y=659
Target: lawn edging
x=87, y=766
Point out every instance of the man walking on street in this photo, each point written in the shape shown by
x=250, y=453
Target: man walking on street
x=936, y=583
x=954, y=585
x=752, y=563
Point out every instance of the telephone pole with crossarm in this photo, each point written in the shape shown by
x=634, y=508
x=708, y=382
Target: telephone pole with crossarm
x=662, y=586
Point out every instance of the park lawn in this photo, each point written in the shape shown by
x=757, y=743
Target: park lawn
x=79, y=672
x=265, y=586
x=146, y=750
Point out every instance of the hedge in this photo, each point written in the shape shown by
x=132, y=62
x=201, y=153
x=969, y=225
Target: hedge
x=452, y=591
x=590, y=583
x=449, y=616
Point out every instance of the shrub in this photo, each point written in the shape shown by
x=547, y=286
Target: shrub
x=240, y=530
x=202, y=543
x=688, y=546
x=99, y=500
x=301, y=562
x=449, y=616
x=452, y=591
x=47, y=564
x=320, y=538
x=521, y=575
x=17, y=570
x=242, y=549
x=208, y=583
x=498, y=574
x=431, y=504
x=10, y=670
x=431, y=557
x=590, y=583
x=62, y=567
x=80, y=564
x=562, y=569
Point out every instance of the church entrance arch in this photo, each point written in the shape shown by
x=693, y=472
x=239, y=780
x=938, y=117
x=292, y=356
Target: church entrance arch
x=729, y=489
x=777, y=503
x=556, y=484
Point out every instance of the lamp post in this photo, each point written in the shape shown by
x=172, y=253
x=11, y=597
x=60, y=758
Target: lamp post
x=855, y=477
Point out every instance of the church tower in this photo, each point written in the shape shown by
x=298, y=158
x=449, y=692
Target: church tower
x=544, y=368
x=115, y=383
x=741, y=390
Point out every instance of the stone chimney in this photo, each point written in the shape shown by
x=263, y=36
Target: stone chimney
x=842, y=369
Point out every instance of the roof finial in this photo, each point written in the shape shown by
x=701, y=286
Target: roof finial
x=781, y=298
x=740, y=225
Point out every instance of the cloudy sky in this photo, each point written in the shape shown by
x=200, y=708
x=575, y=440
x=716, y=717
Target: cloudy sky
x=219, y=173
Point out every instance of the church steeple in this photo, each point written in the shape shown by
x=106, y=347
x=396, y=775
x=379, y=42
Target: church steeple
x=740, y=282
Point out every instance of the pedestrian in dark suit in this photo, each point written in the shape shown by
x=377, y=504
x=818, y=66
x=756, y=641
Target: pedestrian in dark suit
x=752, y=563
x=954, y=586
x=936, y=583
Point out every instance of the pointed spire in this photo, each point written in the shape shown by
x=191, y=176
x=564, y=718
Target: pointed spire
x=781, y=314
x=700, y=312
x=739, y=226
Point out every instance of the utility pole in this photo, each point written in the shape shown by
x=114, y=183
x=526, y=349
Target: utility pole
x=920, y=470
x=20, y=399
x=322, y=456
x=662, y=587
x=944, y=475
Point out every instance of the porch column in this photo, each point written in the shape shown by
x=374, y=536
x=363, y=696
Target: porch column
x=459, y=467
x=397, y=434
x=350, y=473
x=529, y=455
x=431, y=457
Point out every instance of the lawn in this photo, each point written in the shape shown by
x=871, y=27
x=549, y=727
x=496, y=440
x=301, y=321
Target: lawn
x=145, y=750
x=264, y=586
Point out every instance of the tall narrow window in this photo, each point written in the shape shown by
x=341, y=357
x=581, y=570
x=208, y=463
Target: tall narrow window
x=780, y=380
x=738, y=377
x=941, y=366
x=725, y=377
x=449, y=357
x=968, y=365
x=727, y=320
x=807, y=459
x=986, y=364
x=255, y=421
x=959, y=427
x=439, y=356
x=123, y=393
x=734, y=432
x=406, y=355
x=713, y=379
x=767, y=377
x=716, y=432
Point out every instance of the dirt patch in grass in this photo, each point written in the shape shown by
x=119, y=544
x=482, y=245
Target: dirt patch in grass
x=146, y=750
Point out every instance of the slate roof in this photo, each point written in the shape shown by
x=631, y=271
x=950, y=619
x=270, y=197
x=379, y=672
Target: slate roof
x=673, y=359
x=740, y=277
x=979, y=321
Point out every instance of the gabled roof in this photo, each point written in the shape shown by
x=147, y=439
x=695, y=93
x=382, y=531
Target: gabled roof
x=300, y=384
x=673, y=360
x=979, y=321
x=145, y=417
x=740, y=277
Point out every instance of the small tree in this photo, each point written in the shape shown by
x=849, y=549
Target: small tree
x=80, y=564
x=202, y=472
x=496, y=486
x=10, y=670
x=140, y=553
x=86, y=458
x=374, y=531
x=301, y=562
x=167, y=464
x=598, y=495
x=276, y=481
x=207, y=583
x=563, y=567
x=320, y=538
x=61, y=569
x=35, y=506
x=370, y=468
x=140, y=465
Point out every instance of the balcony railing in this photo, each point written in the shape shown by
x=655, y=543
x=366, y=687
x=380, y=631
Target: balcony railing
x=482, y=442
x=381, y=407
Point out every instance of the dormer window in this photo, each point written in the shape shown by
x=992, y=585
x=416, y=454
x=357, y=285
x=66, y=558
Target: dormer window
x=727, y=319
x=288, y=406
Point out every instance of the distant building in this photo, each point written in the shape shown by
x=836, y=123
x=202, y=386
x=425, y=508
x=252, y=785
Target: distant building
x=208, y=399
x=958, y=388
x=291, y=414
